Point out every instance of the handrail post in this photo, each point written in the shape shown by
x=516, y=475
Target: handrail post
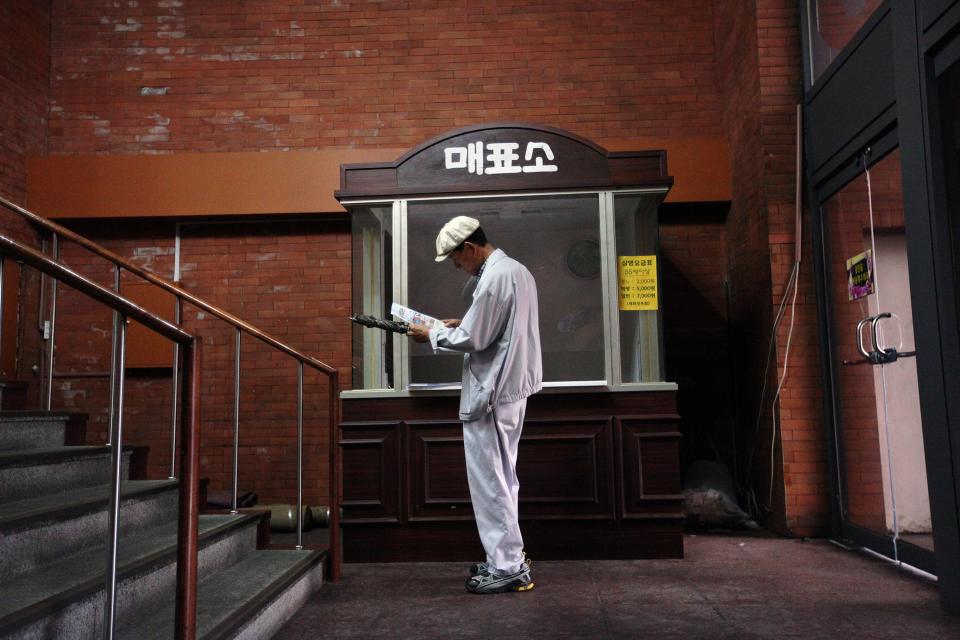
x=175, y=394
x=236, y=420
x=299, y=454
x=334, y=414
x=116, y=473
x=186, y=611
x=53, y=325
x=113, y=354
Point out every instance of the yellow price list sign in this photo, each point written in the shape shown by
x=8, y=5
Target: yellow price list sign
x=638, y=283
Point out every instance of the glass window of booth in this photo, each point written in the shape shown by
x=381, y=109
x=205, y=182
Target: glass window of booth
x=573, y=244
x=372, y=284
x=547, y=235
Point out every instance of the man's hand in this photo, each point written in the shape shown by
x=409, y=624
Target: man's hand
x=418, y=332
x=452, y=323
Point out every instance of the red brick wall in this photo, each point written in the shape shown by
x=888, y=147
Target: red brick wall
x=303, y=75
x=24, y=84
x=24, y=87
x=84, y=331
x=291, y=75
x=802, y=436
x=291, y=279
x=275, y=76
x=759, y=73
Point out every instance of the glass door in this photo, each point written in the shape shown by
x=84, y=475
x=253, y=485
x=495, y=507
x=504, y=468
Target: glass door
x=880, y=458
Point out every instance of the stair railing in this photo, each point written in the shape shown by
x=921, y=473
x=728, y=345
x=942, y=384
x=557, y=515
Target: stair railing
x=189, y=446
x=59, y=232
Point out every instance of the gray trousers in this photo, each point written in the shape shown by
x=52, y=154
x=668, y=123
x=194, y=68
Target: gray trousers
x=490, y=445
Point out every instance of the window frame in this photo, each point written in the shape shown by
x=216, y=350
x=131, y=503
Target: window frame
x=609, y=289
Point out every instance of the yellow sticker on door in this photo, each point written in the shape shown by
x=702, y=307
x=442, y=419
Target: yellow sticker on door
x=637, y=276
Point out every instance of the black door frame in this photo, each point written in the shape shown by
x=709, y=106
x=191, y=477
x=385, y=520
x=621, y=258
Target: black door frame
x=895, y=60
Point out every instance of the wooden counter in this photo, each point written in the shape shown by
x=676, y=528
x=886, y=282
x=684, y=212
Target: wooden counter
x=599, y=478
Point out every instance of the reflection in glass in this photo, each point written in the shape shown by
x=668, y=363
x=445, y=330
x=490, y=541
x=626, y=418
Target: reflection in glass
x=879, y=422
x=372, y=250
x=557, y=238
x=832, y=24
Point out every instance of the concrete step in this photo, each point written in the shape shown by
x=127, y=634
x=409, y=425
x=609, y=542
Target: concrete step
x=251, y=599
x=39, y=530
x=64, y=600
x=27, y=473
x=40, y=429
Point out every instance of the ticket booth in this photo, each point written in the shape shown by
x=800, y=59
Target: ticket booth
x=598, y=460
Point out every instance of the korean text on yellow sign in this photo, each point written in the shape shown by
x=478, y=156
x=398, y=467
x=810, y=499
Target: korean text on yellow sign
x=638, y=283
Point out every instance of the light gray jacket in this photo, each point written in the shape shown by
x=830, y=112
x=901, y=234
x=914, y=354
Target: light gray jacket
x=499, y=337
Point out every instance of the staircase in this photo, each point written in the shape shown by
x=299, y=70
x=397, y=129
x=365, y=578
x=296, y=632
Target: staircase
x=54, y=540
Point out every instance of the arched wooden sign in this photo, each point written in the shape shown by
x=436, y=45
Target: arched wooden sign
x=503, y=157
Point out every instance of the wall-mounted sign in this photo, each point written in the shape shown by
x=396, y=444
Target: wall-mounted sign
x=860, y=275
x=637, y=276
x=504, y=157
x=499, y=157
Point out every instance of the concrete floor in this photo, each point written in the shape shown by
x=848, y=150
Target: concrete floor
x=726, y=587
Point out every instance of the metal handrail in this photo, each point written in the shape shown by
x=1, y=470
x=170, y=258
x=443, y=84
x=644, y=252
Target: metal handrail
x=240, y=325
x=76, y=238
x=190, y=462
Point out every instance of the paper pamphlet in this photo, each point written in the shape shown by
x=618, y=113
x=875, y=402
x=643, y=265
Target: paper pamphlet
x=413, y=317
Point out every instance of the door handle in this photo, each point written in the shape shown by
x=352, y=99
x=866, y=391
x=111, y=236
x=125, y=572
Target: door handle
x=877, y=355
x=874, y=321
x=860, y=348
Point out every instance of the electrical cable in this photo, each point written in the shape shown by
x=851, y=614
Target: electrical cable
x=783, y=376
x=789, y=292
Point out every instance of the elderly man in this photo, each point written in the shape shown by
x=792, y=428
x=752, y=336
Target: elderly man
x=500, y=339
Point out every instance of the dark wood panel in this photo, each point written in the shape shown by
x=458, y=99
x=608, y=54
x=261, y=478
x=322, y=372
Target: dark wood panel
x=371, y=471
x=438, y=475
x=443, y=541
x=599, y=478
x=650, y=466
x=565, y=468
